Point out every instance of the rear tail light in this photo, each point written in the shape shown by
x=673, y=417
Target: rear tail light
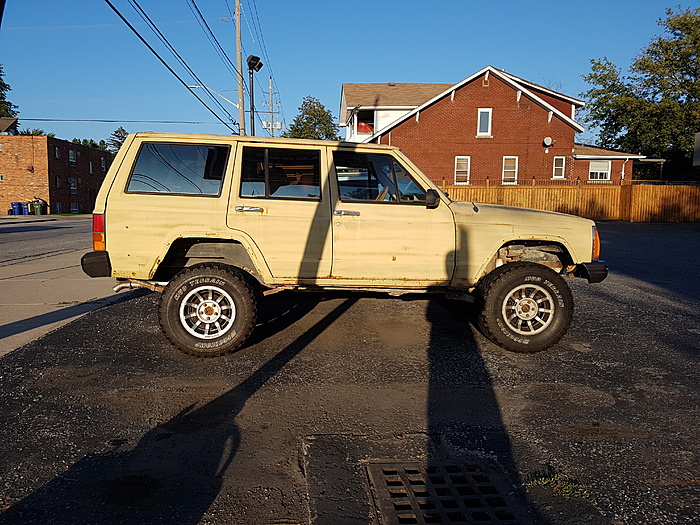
x=98, y=232
x=596, y=244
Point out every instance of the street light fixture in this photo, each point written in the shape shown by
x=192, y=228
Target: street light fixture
x=254, y=64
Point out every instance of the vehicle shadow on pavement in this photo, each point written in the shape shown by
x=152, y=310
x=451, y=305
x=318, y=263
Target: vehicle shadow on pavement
x=175, y=471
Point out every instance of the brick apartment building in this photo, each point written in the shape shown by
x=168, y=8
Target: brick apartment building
x=65, y=175
x=490, y=125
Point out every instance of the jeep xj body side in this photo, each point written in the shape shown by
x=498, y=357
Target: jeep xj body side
x=212, y=221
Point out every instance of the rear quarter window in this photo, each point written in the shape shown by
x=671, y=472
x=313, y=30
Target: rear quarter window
x=182, y=169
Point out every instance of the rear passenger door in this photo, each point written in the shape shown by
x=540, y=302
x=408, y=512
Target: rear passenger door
x=279, y=201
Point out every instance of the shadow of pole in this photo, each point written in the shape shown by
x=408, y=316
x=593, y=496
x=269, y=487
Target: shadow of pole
x=465, y=425
x=175, y=471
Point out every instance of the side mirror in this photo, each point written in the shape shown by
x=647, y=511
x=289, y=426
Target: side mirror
x=432, y=199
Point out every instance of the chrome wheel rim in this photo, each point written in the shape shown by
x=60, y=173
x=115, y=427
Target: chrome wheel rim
x=528, y=309
x=207, y=312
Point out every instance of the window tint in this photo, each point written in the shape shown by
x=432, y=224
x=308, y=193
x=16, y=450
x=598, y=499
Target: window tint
x=283, y=173
x=179, y=168
x=374, y=177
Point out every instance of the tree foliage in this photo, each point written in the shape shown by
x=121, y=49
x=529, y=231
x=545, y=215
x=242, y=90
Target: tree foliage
x=655, y=110
x=90, y=143
x=36, y=132
x=7, y=109
x=314, y=121
x=116, y=139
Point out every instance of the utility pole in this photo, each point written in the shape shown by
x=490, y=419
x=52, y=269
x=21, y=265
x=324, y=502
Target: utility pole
x=272, y=113
x=272, y=125
x=239, y=66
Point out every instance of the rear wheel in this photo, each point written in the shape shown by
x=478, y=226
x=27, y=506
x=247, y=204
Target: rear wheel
x=526, y=307
x=207, y=311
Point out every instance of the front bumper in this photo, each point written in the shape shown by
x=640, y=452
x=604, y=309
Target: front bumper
x=594, y=272
x=96, y=264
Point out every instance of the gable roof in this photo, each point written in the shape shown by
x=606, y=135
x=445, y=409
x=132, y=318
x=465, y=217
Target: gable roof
x=8, y=124
x=387, y=95
x=527, y=89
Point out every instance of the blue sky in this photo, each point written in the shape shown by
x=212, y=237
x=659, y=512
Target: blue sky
x=74, y=59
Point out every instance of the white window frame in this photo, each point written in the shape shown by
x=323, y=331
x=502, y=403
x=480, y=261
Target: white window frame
x=463, y=158
x=487, y=133
x=600, y=174
x=562, y=168
x=72, y=157
x=503, y=171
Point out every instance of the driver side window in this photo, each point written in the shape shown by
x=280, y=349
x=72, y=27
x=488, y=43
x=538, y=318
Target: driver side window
x=374, y=177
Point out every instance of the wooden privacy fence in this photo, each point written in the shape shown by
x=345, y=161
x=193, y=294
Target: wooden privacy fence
x=630, y=202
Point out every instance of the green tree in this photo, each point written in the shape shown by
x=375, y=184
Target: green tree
x=656, y=109
x=36, y=132
x=314, y=121
x=90, y=143
x=116, y=139
x=7, y=108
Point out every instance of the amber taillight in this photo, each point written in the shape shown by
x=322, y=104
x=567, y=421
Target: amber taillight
x=98, y=232
x=596, y=244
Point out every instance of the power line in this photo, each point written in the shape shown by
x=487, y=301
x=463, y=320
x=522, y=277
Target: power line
x=178, y=57
x=212, y=38
x=118, y=121
x=138, y=35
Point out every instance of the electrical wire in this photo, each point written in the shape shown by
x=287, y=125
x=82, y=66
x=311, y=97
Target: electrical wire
x=178, y=57
x=143, y=40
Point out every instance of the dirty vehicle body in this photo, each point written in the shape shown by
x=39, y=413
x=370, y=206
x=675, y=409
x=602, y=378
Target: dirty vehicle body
x=215, y=222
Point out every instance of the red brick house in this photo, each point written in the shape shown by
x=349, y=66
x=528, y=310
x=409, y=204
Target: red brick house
x=490, y=125
x=65, y=175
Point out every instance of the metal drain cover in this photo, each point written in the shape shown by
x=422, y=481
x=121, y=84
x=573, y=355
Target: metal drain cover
x=443, y=492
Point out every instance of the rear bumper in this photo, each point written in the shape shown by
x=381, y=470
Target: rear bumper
x=96, y=264
x=594, y=272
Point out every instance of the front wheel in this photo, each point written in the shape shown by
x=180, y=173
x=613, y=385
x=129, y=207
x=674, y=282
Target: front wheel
x=526, y=307
x=207, y=311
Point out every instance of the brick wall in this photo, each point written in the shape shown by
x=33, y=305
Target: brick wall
x=24, y=169
x=448, y=129
x=43, y=167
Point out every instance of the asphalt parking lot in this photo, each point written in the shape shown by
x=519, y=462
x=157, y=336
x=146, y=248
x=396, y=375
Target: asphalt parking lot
x=105, y=422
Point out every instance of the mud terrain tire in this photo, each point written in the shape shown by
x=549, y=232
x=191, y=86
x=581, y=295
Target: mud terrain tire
x=526, y=307
x=208, y=310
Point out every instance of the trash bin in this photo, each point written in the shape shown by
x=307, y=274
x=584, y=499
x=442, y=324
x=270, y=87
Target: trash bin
x=25, y=208
x=16, y=208
x=39, y=207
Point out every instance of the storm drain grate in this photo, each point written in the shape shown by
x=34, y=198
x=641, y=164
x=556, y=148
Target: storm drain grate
x=448, y=492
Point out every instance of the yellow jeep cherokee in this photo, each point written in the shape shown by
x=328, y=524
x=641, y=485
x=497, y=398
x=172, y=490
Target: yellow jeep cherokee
x=213, y=222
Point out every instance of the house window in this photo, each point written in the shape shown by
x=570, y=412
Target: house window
x=103, y=164
x=510, y=170
x=56, y=152
x=559, y=165
x=462, y=166
x=599, y=170
x=91, y=170
x=74, y=207
x=59, y=207
x=484, y=123
x=57, y=181
x=365, y=122
x=71, y=157
x=73, y=185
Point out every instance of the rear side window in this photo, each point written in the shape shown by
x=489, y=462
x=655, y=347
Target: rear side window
x=190, y=169
x=281, y=173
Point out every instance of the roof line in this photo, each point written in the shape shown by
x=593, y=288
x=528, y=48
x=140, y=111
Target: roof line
x=503, y=76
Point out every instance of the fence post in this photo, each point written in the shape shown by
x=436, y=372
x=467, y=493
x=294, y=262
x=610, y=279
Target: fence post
x=444, y=187
x=488, y=189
